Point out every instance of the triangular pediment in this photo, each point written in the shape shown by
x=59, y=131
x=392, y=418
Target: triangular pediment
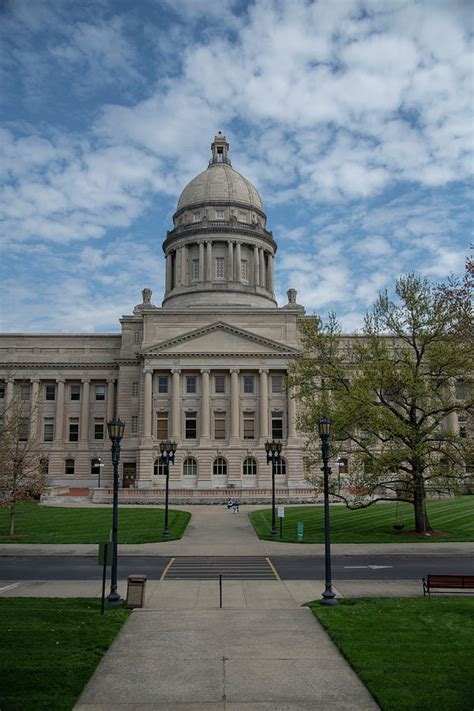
x=220, y=338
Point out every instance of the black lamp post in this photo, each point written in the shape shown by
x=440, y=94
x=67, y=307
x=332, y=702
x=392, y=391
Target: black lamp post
x=115, y=428
x=273, y=450
x=328, y=597
x=167, y=452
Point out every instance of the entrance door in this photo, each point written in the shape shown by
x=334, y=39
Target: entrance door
x=129, y=475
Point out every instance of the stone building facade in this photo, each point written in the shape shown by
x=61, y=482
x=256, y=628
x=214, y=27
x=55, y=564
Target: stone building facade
x=206, y=369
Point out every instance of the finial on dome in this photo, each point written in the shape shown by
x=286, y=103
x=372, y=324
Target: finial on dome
x=220, y=150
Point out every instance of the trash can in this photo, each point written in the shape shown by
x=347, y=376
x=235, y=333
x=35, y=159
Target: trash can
x=136, y=590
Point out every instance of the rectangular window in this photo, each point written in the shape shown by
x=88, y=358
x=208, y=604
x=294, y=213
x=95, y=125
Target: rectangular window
x=248, y=384
x=48, y=433
x=136, y=336
x=195, y=269
x=134, y=424
x=75, y=392
x=219, y=426
x=23, y=429
x=244, y=274
x=99, y=428
x=219, y=214
x=243, y=217
x=462, y=391
x=95, y=466
x=277, y=383
x=219, y=383
x=50, y=392
x=69, y=467
x=197, y=217
x=163, y=384
x=191, y=384
x=74, y=429
x=190, y=426
x=162, y=425
x=249, y=425
x=2, y=391
x=343, y=463
x=100, y=392
x=220, y=273
x=277, y=425
x=134, y=389
x=25, y=392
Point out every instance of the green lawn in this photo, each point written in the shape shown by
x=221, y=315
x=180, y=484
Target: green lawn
x=371, y=525
x=50, y=524
x=49, y=649
x=411, y=653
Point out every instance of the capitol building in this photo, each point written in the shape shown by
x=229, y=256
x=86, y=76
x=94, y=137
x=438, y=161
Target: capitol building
x=207, y=368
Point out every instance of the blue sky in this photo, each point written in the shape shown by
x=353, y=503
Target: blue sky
x=352, y=118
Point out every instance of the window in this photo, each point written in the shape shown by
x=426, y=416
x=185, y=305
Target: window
x=277, y=425
x=134, y=424
x=462, y=391
x=25, y=392
x=48, y=432
x=2, y=391
x=162, y=425
x=195, y=269
x=50, y=392
x=100, y=392
x=99, y=428
x=277, y=383
x=136, y=336
x=190, y=467
x=462, y=420
x=191, y=384
x=44, y=466
x=219, y=383
x=190, y=426
x=69, y=467
x=244, y=270
x=219, y=214
x=159, y=469
x=197, y=217
x=220, y=273
x=73, y=429
x=243, y=217
x=75, y=392
x=250, y=467
x=163, y=384
x=248, y=384
x=219, y=425
x=95, y=466
x=343, y=464
x=280, y=469
x=23, y=429
x=134, y=389
x=249, y=425
x=219, y=467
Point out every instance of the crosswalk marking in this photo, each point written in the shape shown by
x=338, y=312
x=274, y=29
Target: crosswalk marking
x=230, y=567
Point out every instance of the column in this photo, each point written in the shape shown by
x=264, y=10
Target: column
x=111, y=397
x=230, y=261
x=59, y=419
x=451, y=421
x=271, y=274
x=201, y=261
x=262, y=267
x=263, y=403
x=208, y=260
x=238, y=258
x=176, y=405
x=85, y=407
x=205, y=410
x=256, y=266
x=234, y=403
x=178, y=265
x=169, y=266
x=34, y=408
x=291, y=413
x=184, y=264
x=147, y=402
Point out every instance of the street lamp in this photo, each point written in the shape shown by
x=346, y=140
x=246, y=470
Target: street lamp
x=167, y=452
x=115, y=428
x=273, y=450
x=328, y=596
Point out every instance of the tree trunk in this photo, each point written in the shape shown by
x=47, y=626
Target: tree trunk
x=422, y=524
x=12, y=522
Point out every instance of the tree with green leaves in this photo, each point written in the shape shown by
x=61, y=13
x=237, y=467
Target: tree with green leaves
x=394, y=394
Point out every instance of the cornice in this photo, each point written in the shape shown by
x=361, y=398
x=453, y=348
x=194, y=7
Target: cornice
x=216, y=227
x=58, y=366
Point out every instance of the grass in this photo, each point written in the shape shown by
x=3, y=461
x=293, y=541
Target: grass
x=49, y=648
x=411, y=653
x=50, y=524
x=455, y=517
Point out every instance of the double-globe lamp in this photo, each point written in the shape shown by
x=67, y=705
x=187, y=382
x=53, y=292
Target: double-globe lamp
x=167, y=451
x=328, y=597
x=115, y=429
x=273, y=450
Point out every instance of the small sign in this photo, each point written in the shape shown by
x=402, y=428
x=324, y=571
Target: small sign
x=300, y=531
x=105, y=554
x=281, y=512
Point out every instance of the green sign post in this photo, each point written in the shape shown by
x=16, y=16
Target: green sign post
x=300, y=531
x=104, y=559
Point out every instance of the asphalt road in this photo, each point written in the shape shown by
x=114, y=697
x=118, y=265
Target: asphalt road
x=412, y=567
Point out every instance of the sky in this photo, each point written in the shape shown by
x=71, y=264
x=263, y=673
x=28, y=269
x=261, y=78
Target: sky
x=352, y=118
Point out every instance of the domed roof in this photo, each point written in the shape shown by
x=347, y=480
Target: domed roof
x=219, y=182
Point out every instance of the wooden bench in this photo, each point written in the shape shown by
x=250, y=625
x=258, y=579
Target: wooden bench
x=448, y=583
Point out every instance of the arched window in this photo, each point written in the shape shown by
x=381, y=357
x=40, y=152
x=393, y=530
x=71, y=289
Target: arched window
x=280, y=469
x=220, y=467
x=190, y=467
x=159, y=469
x=250, y=467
